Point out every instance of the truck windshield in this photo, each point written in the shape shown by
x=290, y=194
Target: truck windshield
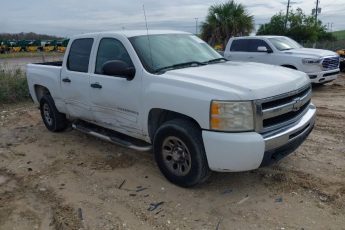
x=160, y=53
x=284, y=43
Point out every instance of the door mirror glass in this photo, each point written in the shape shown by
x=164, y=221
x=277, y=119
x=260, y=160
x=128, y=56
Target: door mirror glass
x=118, y=68
x=262, y=49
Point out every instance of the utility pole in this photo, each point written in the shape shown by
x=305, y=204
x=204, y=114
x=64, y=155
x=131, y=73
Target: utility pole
x=316, y=10
x=289, y=3
x=196, y=26
x=287, y=13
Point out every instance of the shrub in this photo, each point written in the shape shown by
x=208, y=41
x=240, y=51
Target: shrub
x=13, y=85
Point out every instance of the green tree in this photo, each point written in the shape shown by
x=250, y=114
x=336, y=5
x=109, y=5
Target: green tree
x=224, y=21
x=300, y=27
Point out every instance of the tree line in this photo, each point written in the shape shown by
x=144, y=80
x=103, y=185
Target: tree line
x=27, y=36
x=232, y=19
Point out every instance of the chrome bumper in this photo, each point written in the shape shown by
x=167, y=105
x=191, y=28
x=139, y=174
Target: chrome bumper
x=280, y=143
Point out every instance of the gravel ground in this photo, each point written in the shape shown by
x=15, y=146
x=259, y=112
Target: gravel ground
x=73, y=181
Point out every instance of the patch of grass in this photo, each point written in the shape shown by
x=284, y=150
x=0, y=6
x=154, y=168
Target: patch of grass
x=340, y=35
x=13, y=86
x=27, y=54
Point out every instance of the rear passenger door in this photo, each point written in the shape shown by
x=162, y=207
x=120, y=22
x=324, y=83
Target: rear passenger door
x=238, y=50
x=75, y=79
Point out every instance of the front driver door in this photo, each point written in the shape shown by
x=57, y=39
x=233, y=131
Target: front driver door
x=256, y=56
x=115, y=101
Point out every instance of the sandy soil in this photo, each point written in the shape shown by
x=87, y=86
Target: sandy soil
x=73, y=181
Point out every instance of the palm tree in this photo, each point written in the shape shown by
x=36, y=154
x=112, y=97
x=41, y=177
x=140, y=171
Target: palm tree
x=225, y=21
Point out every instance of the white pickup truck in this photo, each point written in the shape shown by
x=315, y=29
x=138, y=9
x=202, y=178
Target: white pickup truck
x=322, y=66
x=170, y=91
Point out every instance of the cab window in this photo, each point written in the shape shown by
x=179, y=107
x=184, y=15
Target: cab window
x=253, y=45
x=239, y=45
x=111, y=49
x=79, y=55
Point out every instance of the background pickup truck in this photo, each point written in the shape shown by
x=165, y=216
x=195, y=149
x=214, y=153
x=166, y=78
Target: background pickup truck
x=171, y=92
x=322, y=66
x=342, y=59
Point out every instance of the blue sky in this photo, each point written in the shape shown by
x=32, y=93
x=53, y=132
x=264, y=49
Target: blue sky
x=69, y=17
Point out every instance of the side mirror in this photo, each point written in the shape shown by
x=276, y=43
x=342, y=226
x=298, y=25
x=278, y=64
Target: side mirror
x=118, y=68
x=264, y=49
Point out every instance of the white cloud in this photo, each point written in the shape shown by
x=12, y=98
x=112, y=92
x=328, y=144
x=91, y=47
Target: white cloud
x=67, y=17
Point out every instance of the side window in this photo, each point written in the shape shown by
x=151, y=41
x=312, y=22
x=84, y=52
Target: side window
x=79, y=55
x=255, y=43
x=111, y=49
x=239, y=45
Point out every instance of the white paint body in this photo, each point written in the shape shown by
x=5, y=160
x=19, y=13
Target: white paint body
x=291, y=58
x=124, y=105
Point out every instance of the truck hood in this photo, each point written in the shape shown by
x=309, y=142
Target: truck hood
x=240, y=80
x=313, y=53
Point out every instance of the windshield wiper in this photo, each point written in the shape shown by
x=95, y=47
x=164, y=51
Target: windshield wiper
x=180, y=65
x=216, y=60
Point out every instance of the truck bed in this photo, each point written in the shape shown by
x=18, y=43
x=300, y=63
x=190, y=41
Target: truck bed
x=52, y=63
x=45, y=74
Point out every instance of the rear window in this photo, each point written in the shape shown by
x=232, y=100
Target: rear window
x=79, y=55
x=239, y=45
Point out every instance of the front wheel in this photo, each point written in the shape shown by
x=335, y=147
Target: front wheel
x=180, y=154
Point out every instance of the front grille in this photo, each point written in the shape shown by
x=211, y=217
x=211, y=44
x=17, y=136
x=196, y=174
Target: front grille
x=330, y=63
x=284, y=117
x=276, y=112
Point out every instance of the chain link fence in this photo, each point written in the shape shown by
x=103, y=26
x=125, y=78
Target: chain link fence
x=327, y=45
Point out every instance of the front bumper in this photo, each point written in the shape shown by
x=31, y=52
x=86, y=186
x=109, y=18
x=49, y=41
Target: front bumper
x=323, y=76
x=234, y=152
x=342, y=64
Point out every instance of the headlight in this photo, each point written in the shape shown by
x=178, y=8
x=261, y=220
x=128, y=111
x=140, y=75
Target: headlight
x=311, y=60
x=342, y=59
x=232, y=116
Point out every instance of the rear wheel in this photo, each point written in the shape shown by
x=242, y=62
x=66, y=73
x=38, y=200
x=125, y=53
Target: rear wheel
x=180, y=154
x=52, y=118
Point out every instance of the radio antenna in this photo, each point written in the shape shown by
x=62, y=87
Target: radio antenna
x=147, y=32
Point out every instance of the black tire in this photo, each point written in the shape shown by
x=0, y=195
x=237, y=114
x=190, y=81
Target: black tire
x=52, y=118
x=187, y=136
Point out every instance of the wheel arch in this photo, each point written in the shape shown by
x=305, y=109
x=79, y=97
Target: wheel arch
x=40, y=91
x=157, y=117
x=289, y=66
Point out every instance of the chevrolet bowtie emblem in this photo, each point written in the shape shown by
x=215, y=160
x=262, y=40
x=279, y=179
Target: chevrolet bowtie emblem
x=298, y=103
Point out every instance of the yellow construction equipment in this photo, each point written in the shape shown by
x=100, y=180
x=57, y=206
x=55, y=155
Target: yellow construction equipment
x=33, y=46
x=62, y=45
x=50, y=46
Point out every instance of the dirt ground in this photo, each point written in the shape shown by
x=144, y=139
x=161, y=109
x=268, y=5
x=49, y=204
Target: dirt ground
x=73, y=181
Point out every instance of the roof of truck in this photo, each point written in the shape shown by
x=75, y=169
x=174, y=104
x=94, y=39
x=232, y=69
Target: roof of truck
x=133, y=33
x=259, y=36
